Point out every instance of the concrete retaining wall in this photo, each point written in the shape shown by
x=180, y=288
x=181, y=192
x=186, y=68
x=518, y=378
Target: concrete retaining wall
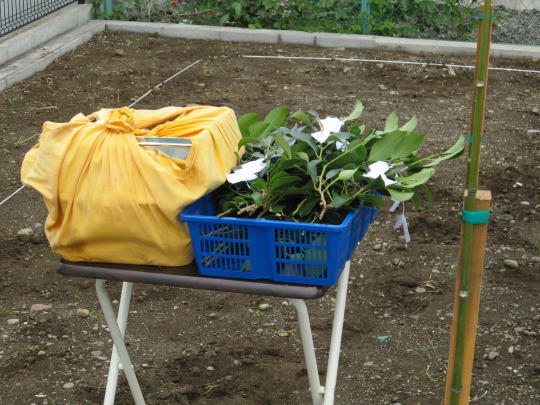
x=33, y=35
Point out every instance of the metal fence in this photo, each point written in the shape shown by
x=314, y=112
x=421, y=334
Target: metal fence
x=17, y=13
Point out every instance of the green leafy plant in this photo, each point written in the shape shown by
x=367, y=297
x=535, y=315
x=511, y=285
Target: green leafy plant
x=300, y=167
x=450, y=19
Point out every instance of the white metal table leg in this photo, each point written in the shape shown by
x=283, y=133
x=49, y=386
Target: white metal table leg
x=123, y=311
x=335, y=340
x=309, y=351
x=118, y=340
x=318, y=392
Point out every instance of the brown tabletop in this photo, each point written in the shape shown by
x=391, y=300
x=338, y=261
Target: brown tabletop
x=186, y=277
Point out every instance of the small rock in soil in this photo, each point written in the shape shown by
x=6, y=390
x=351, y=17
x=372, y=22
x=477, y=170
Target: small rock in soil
x=82, y=312
x=41, y=353
x=25, y=234
x=406, y=280
x=13, y=321
x=451, y=71
x=119, y=52
x=264, y=307
x=185, y=389
x=420, y=290
x=511, y=263
x=525, y=203
x=368, y=363
x=163, y=395
x=493, y=355
x=210, y=368
x=395, y=261
x=68, y=385
x=377, y=247
x=535, y=259
x=40, y=307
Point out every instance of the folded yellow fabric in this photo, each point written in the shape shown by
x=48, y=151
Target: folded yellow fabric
x=111, y=200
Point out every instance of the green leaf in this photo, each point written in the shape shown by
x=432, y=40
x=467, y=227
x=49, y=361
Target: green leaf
x=410, y=144
x=339, y=200
x=302, y=116
x=245, y=121
x=303, y=155
x=411, y=125
x=308, y=139
x=258, y=130
x=301, y=191
x=237, y=8
x=307, y=206
x=387, y=146
x=375, y=200
x=276, y=176
x=257, y=198
x=428, y=195
x=312, y=170
x=277, y=209
x=391, y=123
x=258, y=184
x=400, y=195
x=246, y=140
x=283, y=181
x=417, y=178
x=331, y=173
x=280, y=140
x=356, y=113
x=417, y=201
x=346, y=174
x=456, y=150
x=276, y=117
x=285, y=164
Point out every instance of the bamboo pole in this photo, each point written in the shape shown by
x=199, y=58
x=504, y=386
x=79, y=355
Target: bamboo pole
x=482, y=202
x=471, y=253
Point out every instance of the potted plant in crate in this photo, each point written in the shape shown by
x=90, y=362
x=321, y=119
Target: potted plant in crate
x=305, y=192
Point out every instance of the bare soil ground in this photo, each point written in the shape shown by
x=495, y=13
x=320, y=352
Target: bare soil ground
x=193, y=347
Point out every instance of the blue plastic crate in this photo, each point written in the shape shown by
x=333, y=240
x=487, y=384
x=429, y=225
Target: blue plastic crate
x=282, y=251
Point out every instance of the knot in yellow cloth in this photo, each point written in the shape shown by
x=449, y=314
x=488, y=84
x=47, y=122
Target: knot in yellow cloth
x=121, y=120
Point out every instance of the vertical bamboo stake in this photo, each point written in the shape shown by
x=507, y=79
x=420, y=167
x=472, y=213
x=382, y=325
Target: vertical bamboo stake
x=483, y=200
x=471, y=256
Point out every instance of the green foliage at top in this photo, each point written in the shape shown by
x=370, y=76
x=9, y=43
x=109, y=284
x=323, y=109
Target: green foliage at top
x=305, y=180
x=406, y=18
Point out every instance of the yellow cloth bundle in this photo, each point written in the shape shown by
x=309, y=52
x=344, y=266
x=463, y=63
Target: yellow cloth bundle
x=112, y=200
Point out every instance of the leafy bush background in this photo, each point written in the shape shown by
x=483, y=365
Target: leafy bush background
x=448, y=19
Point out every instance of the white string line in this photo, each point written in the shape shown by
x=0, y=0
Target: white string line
x=131, y=105
x=163, y=82
x=9, y=196
x=395, y=62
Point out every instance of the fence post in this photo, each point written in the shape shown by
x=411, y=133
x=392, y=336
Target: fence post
x=107, y=7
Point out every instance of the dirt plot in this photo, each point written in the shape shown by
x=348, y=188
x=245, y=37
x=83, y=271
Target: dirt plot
x=233, y=352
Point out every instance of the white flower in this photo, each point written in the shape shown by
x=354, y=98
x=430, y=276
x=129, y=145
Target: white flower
x=378, y=169
x=329, y=126
x=247, y=171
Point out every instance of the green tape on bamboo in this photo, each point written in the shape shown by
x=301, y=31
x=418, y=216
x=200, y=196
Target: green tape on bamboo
x=471, y=139
x=475, y=217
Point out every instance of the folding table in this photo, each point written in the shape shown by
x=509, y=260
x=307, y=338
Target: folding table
x=188, y=277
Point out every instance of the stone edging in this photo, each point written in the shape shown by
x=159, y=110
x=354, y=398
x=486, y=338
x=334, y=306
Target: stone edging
x=40, y=58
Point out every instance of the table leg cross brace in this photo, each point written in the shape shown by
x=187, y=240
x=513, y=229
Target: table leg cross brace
x=320, y=395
